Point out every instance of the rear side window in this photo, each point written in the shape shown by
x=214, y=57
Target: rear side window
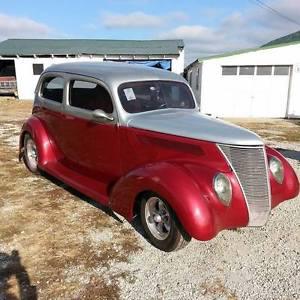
x=90, y=96
x=53, y=89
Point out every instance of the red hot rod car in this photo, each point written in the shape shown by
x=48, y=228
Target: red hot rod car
x=132, y=138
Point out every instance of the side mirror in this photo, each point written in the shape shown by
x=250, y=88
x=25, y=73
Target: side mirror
x=99, y=114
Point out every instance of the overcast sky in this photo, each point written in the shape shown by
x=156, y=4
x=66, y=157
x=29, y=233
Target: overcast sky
x=208, y=27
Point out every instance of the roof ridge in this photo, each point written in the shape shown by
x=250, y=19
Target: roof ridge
x=90, y=46
x=292, y=37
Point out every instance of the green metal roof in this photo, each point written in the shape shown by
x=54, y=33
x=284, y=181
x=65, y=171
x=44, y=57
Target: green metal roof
x=29, y=47
x=290, y=38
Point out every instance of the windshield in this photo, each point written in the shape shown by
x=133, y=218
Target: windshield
x=152, y=95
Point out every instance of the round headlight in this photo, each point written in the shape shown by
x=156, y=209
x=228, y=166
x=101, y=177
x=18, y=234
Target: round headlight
x=276, y=169
x=222, y=187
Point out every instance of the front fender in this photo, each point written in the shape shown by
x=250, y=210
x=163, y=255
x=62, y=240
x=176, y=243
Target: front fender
x=290, y=186
x=187, y=188
x=47, y=152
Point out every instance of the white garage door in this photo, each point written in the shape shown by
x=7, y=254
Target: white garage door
x=260, y=91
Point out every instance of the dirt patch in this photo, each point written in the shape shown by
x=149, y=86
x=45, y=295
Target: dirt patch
x=217, y=289
x=66, y=244
x=71, y=248
x=278, y=130
x=12, y=109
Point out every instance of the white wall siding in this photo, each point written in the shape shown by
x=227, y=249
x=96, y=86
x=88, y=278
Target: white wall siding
x=294, y=100
x=177, y=63
x=251, y=95
x=26, y=81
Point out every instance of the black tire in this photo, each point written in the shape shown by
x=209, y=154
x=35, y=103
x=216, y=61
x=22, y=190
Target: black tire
x=172, y=237
x=26, y=157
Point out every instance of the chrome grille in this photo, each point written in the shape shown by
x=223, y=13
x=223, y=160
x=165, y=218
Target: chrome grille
x=249, y=165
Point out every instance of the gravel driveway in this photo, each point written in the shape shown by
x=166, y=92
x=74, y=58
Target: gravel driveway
x=62, y=245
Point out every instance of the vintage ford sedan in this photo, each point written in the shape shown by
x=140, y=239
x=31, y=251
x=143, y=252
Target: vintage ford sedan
x=133, y=139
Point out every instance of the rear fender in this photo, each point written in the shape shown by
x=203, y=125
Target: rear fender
x=47, y=151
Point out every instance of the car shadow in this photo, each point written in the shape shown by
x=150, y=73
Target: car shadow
x=135, y=223
x=292, y=154
x=10, y=265
x=83, y=197
x=137, y=226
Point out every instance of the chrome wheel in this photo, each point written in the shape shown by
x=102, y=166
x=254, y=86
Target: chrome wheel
x=31, y=154
x=160, y=223
x=158, y=218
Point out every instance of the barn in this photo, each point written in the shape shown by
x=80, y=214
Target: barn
x=23, y=60
x=260, y=82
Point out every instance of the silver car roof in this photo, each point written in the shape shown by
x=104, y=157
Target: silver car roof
x=181, y=122
x=115, y=72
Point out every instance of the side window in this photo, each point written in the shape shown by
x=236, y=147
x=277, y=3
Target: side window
x=264, y=70
x=89, y=96
x=53, y=89
x=247, y=70
x=281, y=70
x=37, y=69
x=229, y=70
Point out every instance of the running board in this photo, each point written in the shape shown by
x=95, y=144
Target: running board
x=88, y=186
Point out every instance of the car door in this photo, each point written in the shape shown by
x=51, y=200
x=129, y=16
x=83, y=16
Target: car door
x=91, y=145
x=49, y=105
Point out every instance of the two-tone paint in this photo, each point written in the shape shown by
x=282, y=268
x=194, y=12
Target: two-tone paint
x=172, y=152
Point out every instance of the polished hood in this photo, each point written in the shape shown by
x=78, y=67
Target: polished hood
x=192, y=124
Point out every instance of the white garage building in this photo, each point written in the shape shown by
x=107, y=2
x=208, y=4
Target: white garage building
x=262, y=82
x=25, y=59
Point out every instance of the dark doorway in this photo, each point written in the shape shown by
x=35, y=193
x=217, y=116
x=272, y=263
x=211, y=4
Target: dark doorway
x=8, y=82
x=7, y=68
